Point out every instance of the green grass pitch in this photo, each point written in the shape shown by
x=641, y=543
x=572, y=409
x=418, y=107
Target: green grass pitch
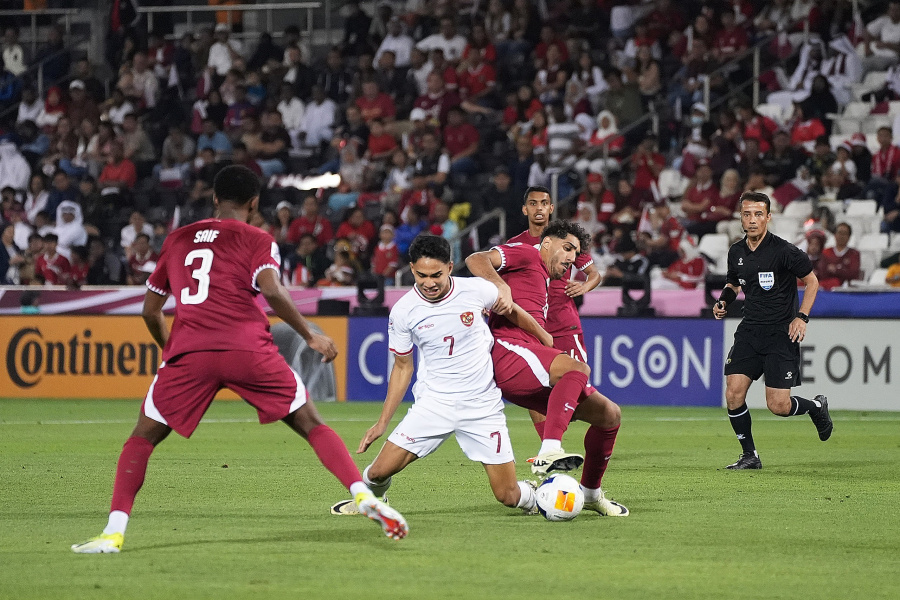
x=241, y=511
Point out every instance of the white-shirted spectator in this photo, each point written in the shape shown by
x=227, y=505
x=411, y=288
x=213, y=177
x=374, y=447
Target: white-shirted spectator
x=882, y=48
x=447, y=40
x=317, y=124
x=397, y=41
x=223, y=53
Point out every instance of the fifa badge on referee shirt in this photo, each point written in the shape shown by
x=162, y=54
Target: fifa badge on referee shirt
x=467, y=318
x=766, y=280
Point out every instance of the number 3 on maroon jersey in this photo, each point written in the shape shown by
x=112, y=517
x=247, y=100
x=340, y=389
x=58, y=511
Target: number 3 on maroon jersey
x=201, y=275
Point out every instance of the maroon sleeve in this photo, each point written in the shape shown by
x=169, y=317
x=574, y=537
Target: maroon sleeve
x=158, y=281
x=265, y=255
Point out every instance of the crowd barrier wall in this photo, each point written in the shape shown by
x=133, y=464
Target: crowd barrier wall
x=661, y=362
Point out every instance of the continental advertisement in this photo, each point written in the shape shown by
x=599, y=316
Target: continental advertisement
x=102, y=356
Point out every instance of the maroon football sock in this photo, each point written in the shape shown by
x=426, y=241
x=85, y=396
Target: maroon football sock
x=564, y=398
x=333, y=453
x=130, y=472
x=598, y=448
x=539, y=427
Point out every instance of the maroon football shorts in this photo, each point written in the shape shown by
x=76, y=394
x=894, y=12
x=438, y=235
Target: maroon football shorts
x=185, y=386
x=522, y=372
x=573, y=345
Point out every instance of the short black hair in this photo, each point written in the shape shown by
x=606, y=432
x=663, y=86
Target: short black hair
x=429, y=246
x=142, y=235
x=844, y=224
x=756, y=197
x=51, y=237
x=561, y=229
x=236, y=184
x=536, y=188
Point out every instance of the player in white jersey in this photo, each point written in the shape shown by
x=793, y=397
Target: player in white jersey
x=455, y=390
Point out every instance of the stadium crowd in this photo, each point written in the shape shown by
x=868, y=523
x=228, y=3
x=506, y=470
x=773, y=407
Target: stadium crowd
x=434, y=112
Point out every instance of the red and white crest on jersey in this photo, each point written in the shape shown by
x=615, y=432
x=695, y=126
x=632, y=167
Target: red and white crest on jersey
x=467, y=318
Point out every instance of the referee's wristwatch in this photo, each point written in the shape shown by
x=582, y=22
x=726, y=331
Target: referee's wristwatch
x=803, y=317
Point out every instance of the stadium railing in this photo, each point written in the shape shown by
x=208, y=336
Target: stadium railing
x=35, y=15
x=270, y=25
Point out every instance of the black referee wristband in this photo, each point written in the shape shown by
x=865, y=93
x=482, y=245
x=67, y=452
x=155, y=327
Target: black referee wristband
x=727, y=296
x=803, y=317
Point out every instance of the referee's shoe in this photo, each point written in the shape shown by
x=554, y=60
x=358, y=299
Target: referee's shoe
x=822, y=419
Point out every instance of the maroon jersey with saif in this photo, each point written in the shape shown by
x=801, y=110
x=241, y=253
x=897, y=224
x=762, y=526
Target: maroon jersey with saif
x=211, y=267
x=562, y=318
x=524, y=271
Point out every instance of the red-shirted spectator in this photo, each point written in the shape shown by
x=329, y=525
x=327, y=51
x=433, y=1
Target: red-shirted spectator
x=757, y=127
x=480, y=43
x=358, y=230
x=461, y=142
x=804, y=132
x=375, y=104
x=521, y=106
x=142, y=261
x=700, y=202
x=50, y=266
x=886, y=162
x=730, y=40
x=119, y=172
x=381, y=143
x=647, y=164
x=690, y=268
x=436, y=100
x=477, y=78
x=311, y=222
x=549, y=38
x=597, y=194
x=420, y=195
x=840, y=264
x=386, y=256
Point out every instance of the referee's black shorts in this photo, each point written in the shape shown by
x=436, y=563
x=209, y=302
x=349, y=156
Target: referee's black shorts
x=765, y=349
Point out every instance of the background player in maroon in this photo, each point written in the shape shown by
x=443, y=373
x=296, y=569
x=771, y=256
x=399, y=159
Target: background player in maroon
x=220, y=338
x=564, y=324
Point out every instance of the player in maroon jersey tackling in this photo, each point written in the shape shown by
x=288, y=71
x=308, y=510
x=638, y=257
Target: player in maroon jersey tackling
x=563, y=322
x=220, y=339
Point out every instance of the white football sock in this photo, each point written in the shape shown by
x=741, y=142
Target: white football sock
x=526, y=496
x=591, y=494
x=378, y=489
x=118, y=521
x=359, y=488
x=550, y=446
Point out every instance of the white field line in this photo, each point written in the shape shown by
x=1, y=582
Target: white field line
x=885, y=418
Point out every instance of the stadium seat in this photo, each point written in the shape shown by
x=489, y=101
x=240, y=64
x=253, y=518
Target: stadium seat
x=873, y=123
x=773, y=111
x=861, y=208
x=877, y=242
x=798, y=209
x=788, y=228
x=857, y=110
x=715, y=247
x=878, y=276
x=837, y=139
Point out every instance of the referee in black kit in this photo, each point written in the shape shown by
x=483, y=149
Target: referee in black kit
x=767, y=341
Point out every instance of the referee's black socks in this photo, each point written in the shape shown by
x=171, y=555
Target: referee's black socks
x=742, y=424
x=801, y=406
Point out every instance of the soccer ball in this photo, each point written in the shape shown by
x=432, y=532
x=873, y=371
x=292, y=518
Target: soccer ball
x=559, y=498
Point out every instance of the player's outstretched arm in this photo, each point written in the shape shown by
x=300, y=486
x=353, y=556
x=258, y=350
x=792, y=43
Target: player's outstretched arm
x=484, y=264
x=152, y=313
x=398, y=383
x=280, y=300
x=521, y=319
